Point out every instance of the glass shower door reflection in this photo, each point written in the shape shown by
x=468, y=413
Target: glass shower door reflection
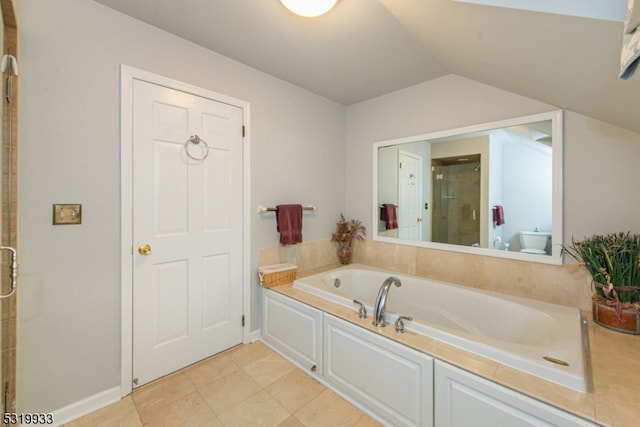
x=456, y=201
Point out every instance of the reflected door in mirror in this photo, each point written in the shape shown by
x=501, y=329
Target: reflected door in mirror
x=410, y=196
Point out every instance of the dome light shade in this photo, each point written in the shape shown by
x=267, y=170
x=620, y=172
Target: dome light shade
x=309, y=8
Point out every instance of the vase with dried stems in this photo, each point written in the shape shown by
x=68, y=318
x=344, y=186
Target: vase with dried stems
x=346, y=232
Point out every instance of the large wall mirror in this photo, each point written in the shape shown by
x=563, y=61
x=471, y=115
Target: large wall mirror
x=493, y=189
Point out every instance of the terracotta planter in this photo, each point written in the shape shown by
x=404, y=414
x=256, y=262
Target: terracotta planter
x=605, y=315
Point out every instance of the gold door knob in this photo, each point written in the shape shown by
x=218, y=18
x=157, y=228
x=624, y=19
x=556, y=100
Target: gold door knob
x=144, y=249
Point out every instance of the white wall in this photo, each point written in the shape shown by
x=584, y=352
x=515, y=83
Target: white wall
x=600, y=160
x=527, y=191
x=69, y=298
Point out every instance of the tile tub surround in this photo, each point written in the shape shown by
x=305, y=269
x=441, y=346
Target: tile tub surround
x=567, y=285
x=306, y=255
x=614, y=358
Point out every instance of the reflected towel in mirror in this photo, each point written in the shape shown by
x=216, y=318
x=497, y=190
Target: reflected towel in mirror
x=388, y=215
x=498, y=215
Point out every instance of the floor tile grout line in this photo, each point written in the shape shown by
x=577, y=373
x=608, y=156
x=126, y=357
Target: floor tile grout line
x=219, y=355
x=239, y=358
x=182, y=372
x=242, y=368
x=263, y=388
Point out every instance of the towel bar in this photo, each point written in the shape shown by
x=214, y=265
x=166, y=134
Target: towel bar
x=264, y=209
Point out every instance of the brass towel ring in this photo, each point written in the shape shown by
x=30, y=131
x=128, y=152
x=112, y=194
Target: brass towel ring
x=196, y=140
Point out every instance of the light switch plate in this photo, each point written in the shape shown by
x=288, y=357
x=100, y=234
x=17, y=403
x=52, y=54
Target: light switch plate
x=67, y=214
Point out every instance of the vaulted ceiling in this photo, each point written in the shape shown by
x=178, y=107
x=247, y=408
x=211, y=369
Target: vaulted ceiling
x=365, y=48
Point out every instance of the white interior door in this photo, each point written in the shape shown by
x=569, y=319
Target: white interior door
x=187, y=290
x=409, y=196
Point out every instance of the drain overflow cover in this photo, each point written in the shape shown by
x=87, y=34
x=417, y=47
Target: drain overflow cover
x=554, y=360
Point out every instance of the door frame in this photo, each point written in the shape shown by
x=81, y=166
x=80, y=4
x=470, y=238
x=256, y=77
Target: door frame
x=127, y=76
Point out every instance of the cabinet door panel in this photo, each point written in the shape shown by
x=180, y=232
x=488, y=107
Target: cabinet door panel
x=391, y=380
x=293, y=328
x=466, y=400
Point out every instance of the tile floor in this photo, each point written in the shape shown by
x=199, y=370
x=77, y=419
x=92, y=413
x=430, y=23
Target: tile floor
x=248, y=385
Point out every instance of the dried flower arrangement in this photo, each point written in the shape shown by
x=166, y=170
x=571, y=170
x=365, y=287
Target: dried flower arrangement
x=346, y=232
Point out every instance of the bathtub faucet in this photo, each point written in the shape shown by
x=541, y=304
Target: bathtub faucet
x=381, y=301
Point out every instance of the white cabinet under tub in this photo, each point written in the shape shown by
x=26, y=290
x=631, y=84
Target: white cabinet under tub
x=400, y=385
x=293, y=328
x=463, y=399
x=390, y=379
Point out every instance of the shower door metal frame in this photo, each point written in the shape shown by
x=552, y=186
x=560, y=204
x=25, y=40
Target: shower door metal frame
x=9, y=207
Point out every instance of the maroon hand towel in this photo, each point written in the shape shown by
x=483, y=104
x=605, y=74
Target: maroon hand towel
x=289, y=223
x=498, y=215
x=388, y=215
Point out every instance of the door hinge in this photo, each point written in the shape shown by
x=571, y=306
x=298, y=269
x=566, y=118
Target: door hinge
x=243, y=131
x=243, y=320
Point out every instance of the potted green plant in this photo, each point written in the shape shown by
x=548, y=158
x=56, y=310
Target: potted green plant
x=346, y=233
x=613, y=261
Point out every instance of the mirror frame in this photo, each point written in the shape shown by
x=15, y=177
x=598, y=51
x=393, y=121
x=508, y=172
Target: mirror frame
x=557, y=231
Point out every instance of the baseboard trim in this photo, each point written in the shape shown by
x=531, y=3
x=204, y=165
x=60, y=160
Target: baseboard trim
x=85, y=406
x=255, y=335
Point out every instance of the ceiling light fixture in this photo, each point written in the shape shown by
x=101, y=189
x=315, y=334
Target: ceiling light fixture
x=309, y=8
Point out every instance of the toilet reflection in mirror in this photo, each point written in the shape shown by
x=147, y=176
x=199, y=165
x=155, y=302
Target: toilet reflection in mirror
x=535, y=242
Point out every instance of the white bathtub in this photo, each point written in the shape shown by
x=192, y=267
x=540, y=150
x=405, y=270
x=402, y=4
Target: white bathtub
x=528, y=335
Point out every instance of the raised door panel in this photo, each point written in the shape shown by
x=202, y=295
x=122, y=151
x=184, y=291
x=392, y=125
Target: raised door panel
x=392, y=380
x=466, y=400
x=294, y=329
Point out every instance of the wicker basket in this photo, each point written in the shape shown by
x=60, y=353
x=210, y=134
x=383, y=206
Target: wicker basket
x=278, y=274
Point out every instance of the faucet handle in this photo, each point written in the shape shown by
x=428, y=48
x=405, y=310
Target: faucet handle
x=362, y=311
x=400, y=323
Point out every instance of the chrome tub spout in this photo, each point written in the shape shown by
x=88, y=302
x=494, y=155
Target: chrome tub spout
x=381, y=301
